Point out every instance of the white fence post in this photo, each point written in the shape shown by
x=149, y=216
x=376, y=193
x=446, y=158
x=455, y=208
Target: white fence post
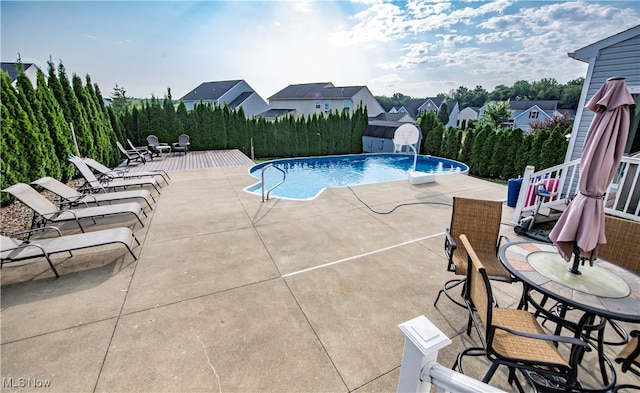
x=422, y=342
x=524, y=188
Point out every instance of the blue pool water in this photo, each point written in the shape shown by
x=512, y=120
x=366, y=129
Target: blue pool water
x=307, y=177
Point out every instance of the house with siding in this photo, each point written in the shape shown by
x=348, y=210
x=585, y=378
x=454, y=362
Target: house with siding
x=322, y=98
x=525, y=111
x=417, y=106
x=234, y=93
x=468, y=113
x=615, y=56
x=30, y=70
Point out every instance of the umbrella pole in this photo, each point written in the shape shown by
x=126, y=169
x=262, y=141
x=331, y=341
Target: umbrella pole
x=576, y=260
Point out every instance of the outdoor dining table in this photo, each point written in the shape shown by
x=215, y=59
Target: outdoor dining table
x=603, y=290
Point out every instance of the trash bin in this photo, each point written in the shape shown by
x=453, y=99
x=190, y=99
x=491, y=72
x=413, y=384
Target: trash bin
x=513, y=189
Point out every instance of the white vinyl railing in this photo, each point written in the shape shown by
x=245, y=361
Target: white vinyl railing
x=621, y=197
x=420, y=371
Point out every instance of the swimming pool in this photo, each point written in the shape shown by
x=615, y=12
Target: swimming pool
x=307, y=177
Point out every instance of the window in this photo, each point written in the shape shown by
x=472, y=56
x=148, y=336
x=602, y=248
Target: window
x=327, y=106
x=533, y=115
x=318, y=104
x=346, y=105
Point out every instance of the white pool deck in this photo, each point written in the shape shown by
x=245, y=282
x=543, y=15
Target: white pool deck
x=233, y=295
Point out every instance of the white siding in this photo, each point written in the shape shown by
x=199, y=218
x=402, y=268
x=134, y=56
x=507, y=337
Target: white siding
x=620, y=59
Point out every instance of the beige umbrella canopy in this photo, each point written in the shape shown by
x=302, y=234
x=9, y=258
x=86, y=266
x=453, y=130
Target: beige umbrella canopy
x=581, y=227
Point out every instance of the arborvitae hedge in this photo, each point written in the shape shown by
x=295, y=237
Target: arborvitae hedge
x=36, y=138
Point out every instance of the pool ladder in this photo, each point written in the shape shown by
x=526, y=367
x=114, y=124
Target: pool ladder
x=264, y=168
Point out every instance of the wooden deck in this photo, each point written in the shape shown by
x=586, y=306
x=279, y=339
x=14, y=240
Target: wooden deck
x=195, y=160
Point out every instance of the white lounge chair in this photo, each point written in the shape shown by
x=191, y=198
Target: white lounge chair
x=14, y=250
x=49, y=213
x=93, y=183
x=122, y=173
x=71, y=196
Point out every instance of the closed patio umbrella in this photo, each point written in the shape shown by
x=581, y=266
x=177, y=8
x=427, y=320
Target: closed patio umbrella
x=581, y=227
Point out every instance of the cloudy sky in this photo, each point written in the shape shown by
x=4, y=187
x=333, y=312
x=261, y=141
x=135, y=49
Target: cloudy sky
x=418, y=48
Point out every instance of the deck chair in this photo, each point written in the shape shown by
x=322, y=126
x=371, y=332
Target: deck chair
x=156, y=147
x=44, y=211
x=142, y=150
x=116, y=173
x=513, y=338
x=72, y=197
x=14, y=250
x=94, y=184
x=480, y=221
x=131, y=155
x=182, y=145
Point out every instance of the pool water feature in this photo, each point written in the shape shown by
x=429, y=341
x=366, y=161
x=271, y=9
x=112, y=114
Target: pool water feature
x=307, y=177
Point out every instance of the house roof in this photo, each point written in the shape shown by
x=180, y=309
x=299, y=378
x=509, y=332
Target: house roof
x=12, y=69
x=272, y=113
x=240, y=99
x=319, y=91
x=397, y=117
x=584, y=54
x=209, y=90
x=545, y=105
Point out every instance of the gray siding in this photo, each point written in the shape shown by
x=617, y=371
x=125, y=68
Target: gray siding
x=621, y=59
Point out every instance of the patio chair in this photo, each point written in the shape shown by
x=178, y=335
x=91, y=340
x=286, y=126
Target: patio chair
x=156, y=147
x=44, y=211
x=72, y=197
x=14, y=250
x=479, y=220
x=513, y=338
x=131, y=155
x=123, y=173
x=182, y=145
x=94, y=184
x=629, y=357
x=142, y=150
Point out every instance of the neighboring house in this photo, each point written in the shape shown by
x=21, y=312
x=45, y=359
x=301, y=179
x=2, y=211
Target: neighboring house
x=30, y=69
x=618, y=55
x=524, y=112
x=322, y=98
x=417, y=106
x=468, y=113
x=236, y=94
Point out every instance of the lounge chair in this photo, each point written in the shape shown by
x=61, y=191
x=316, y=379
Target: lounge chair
x=182, y=145
x=92, y=183
x=14, y=250
x=123, y=173
x=72, y=197
x=156, y=147
x=142, y=150
x=131, y=155
x=46, y=212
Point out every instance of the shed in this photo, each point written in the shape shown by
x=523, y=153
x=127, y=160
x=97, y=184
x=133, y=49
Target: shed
x=378, y=137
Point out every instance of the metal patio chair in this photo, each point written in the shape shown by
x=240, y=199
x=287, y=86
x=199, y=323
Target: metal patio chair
x=514, y=338
x=72, y=197
x=92, y=183
x=479, y=220
x=14, y=250
x=44, y=211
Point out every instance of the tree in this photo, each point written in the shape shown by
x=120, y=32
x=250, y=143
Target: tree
x=570, y=96
x=546, y=89
x=119, y=100
x=443, y=113
x=496, y=115
x=521, y=90
x=564, y=121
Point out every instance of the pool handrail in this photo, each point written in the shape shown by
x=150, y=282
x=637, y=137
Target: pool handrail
x=284, y=176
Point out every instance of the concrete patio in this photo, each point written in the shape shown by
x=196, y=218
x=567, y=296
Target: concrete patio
x=233, y=295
